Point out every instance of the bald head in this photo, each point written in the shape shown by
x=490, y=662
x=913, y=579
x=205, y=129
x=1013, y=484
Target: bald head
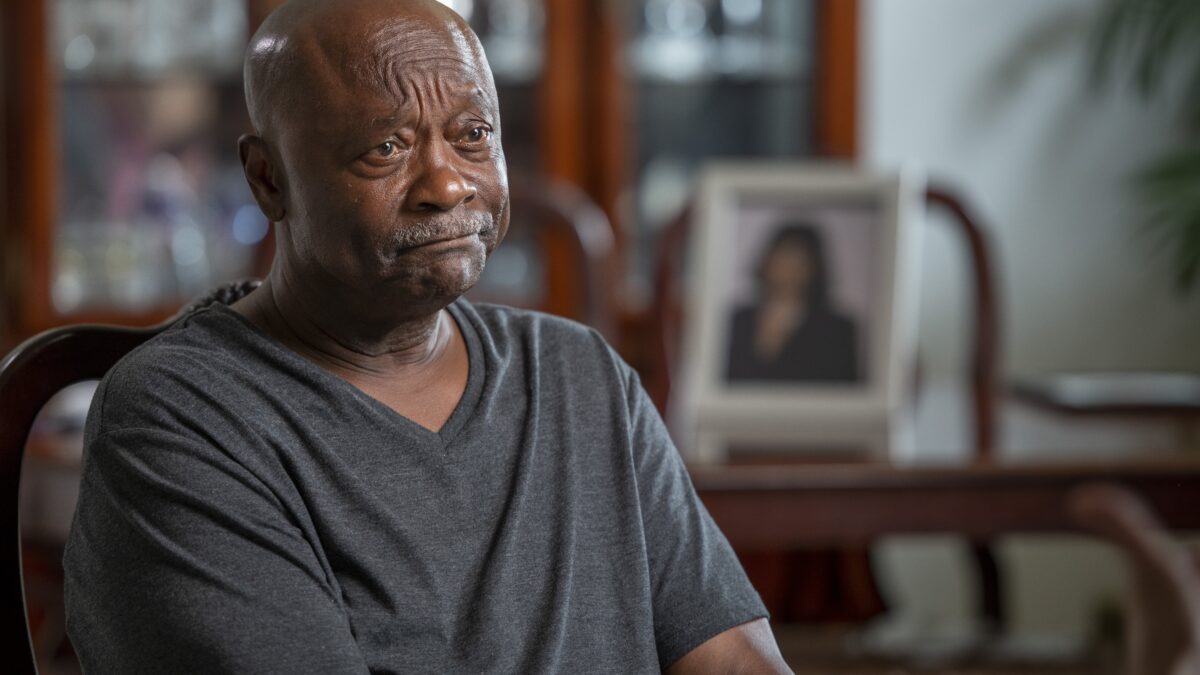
x=305, y=45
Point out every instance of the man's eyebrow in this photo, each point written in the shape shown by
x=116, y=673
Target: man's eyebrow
x=474, y=96
x=479, y=98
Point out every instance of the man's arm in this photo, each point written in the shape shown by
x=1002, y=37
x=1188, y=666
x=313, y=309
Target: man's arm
x=181, y=561
x=748, y=649
x=707, y=616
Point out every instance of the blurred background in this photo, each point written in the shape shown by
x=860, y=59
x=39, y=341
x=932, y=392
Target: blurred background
x=1066, y=127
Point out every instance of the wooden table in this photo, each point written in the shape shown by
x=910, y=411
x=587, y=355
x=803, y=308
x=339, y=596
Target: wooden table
x=780, y=507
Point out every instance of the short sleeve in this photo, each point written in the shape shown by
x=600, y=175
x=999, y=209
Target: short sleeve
x=180, y=561
x=699, y=588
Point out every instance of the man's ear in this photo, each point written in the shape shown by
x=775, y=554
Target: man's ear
x=261, y=174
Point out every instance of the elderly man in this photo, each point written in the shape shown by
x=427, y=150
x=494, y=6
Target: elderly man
x=355, y=470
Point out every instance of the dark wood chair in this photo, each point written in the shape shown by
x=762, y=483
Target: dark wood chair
x=984, y=329
x=29, y=376
x=575, y=246
x=1162, y=628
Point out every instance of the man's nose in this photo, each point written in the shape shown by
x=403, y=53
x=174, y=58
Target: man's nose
x=439, y=187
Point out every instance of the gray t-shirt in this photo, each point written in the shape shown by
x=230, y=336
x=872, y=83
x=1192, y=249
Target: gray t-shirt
x=244, y=511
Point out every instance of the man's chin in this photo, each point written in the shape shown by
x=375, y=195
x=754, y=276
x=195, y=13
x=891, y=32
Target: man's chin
x=437, y=282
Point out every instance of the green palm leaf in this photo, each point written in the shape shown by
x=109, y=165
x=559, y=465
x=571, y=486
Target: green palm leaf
x=1144, y=40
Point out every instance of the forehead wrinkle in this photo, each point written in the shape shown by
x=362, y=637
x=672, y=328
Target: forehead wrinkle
x=402, y=47
x=397, y=38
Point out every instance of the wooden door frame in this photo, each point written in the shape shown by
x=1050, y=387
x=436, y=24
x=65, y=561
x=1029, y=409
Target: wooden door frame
x=583, y=100
x=30, y=163
x=837, y=78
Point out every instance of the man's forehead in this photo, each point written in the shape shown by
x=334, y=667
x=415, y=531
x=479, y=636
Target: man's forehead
x=413, y=36
x=333, y=54
x=397, y=46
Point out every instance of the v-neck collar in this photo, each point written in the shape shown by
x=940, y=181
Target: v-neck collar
x=463, y=410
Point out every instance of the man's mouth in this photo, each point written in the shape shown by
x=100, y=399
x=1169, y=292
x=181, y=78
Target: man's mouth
x=446, y=242
x=443, y=235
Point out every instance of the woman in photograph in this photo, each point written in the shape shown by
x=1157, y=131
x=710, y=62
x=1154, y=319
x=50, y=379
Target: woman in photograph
x=792, y=333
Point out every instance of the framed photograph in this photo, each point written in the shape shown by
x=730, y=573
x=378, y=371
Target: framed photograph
x=800, y=306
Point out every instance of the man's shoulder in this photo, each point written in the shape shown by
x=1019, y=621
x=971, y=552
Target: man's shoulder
x=516, y=325
x=559, y=345
x=173, y=371
x=518, y=320
x=201, y=339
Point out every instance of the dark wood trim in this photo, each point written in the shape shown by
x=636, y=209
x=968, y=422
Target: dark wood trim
x=608, y=134
x=32, y=157
x=584, y=103
x=563, y=92
x=561, y=111
x=9, y=280
x=837, y=78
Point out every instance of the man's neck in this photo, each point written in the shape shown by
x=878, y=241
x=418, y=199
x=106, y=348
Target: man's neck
x=417, y=365
x=346, y=338
x=409, y=357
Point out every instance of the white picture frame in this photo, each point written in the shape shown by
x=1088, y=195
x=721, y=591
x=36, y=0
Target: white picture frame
x=861, y=226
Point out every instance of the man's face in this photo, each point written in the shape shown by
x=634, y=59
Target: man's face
x=395, y=182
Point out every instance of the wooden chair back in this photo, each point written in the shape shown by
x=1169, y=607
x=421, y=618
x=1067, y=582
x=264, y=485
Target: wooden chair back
x=577, y=248
x=29, y=376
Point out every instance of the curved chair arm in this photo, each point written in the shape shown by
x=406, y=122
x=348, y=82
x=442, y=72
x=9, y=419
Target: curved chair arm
x=666, y=307
x=1163, y=627
x=985, y=323
x=572, y=218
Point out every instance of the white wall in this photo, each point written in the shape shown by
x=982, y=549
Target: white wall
x=967, y=88
x=971, y=90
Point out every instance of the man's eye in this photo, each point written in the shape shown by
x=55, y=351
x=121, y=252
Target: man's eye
x=477, y=134
x=387, y=149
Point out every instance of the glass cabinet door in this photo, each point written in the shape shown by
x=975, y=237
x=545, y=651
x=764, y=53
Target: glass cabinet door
x=512, y=33
x=711, y=79
x=152, y=206
x=513, y=36
x=142, y=203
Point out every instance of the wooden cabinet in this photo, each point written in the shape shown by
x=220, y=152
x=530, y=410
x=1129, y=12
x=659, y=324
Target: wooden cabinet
x=123, y=193
x=573, y=97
